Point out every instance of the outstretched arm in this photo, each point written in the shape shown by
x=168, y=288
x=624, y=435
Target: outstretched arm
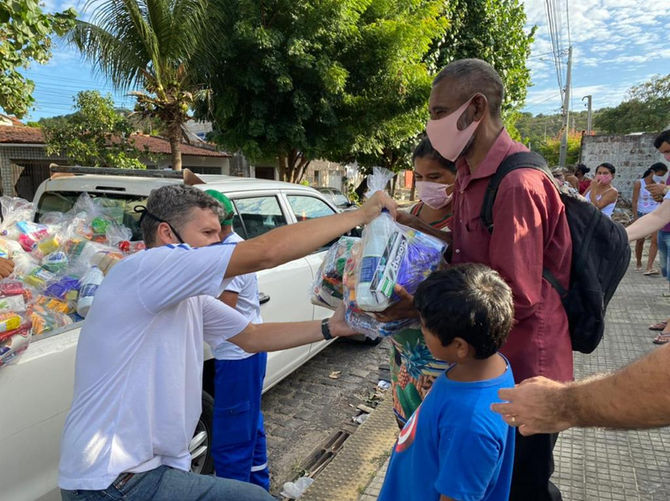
x=650, y=223
x=297, y=240
x=629, y=398
x=281, y=335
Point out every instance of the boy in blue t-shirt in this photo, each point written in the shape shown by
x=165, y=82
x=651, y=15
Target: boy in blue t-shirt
x=454, y=447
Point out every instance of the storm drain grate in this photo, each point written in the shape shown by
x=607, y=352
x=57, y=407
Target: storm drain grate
x=344, y=476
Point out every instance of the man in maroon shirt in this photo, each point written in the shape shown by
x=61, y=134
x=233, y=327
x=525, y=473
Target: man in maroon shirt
x=530, y=232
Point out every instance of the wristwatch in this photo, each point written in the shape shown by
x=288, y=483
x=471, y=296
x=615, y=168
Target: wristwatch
x=325, y=329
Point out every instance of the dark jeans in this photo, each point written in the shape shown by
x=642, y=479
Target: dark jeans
x=533, y=466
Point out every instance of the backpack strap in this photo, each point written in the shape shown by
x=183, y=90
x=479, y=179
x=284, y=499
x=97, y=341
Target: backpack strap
x=520, y=160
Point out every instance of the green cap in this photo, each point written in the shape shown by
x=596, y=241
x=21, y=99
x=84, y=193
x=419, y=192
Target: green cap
x=228, y=209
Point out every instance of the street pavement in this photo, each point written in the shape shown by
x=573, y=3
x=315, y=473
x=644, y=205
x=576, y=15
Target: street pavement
x=599, y=464
x=308, y=407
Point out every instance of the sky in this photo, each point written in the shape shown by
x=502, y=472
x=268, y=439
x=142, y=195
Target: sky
x=616, y=44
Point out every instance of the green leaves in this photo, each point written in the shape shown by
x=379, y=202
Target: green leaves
x=646, y=110
x=96, y=134
x=149, y=44
x=25, y=36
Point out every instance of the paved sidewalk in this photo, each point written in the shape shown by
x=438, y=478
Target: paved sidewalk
x=598, y=464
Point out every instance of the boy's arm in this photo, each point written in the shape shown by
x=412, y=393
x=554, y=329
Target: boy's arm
x=294, y=241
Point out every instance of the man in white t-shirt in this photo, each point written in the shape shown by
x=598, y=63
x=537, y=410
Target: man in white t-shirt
x=138, y=369
x=239, y=447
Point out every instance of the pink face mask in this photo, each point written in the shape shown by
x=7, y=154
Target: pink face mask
x=667, y=156
x=434, y=195
x=604, y=178
x=445, y=136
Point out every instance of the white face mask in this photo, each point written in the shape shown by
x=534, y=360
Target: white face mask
x=659, y=179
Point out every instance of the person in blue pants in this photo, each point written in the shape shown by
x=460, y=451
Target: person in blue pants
x=239, y=447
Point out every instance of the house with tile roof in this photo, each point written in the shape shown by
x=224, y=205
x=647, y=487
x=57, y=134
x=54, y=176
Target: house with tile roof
x=24, y=163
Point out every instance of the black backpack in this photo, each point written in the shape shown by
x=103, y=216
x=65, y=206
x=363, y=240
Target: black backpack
x=600, y=254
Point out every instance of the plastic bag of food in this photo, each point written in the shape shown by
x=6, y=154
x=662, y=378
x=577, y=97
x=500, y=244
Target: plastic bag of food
x=118, y=236
x=357, y=319
x=13, y=343
x=45, y=319
x=327, y=289
x=392, y=254
x=14, y=210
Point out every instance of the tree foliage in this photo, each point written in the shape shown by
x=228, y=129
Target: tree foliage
x=95, y=135
x=149, y=44
x=647, y=109
x=550, y=149
x=492, y=30
x=294, y=80
x=25, y=36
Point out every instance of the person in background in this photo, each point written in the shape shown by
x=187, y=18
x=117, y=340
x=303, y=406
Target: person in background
x=644, y=203
x=239, y=446
x=559, y=176
x=571, y=178
x=413, y=368
x=453, y=447
x=583, y=182
x=601, y=193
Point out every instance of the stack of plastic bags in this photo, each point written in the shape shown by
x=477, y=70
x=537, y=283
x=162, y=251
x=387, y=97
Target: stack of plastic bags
x=58, y=265
x=364, y=272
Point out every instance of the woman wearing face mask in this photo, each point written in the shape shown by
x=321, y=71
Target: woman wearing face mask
x=601, y=193
x=413, y=369
x=644, y=203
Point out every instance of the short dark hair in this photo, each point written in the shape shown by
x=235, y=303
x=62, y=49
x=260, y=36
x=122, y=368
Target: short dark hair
x=663, y=137
x=173, y=204
x=582, y=168
x=608, y=166
x=475, y=75
x=470, y=301
x=425, y=150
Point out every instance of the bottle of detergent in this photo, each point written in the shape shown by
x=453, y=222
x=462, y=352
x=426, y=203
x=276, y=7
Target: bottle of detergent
x=89, y=285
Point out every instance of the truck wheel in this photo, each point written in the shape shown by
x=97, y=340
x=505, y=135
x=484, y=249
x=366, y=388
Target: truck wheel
x=201, y=443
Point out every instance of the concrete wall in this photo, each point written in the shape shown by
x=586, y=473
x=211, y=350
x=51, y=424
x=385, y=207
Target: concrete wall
x=631, y=155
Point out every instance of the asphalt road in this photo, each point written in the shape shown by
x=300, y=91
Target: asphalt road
x=309, y=406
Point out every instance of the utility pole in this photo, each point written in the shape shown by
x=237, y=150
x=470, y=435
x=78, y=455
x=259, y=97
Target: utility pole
x=588, y=116
x=566, y=113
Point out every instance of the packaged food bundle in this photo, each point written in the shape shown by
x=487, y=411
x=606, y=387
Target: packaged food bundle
x=327, y=289
x=14, y=210
x=45, y=319
x=356, y=318
x=392, y=254
x=14, y=343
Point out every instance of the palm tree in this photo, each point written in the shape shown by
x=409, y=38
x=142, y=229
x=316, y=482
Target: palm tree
x=148, y=44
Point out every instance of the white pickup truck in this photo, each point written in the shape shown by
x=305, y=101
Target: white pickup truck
x=36, y=392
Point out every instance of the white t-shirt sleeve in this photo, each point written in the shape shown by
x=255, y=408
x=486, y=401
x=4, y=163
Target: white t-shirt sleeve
x=172, y=273
x=667, y=196
x=237, y=284
x=220, y=321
